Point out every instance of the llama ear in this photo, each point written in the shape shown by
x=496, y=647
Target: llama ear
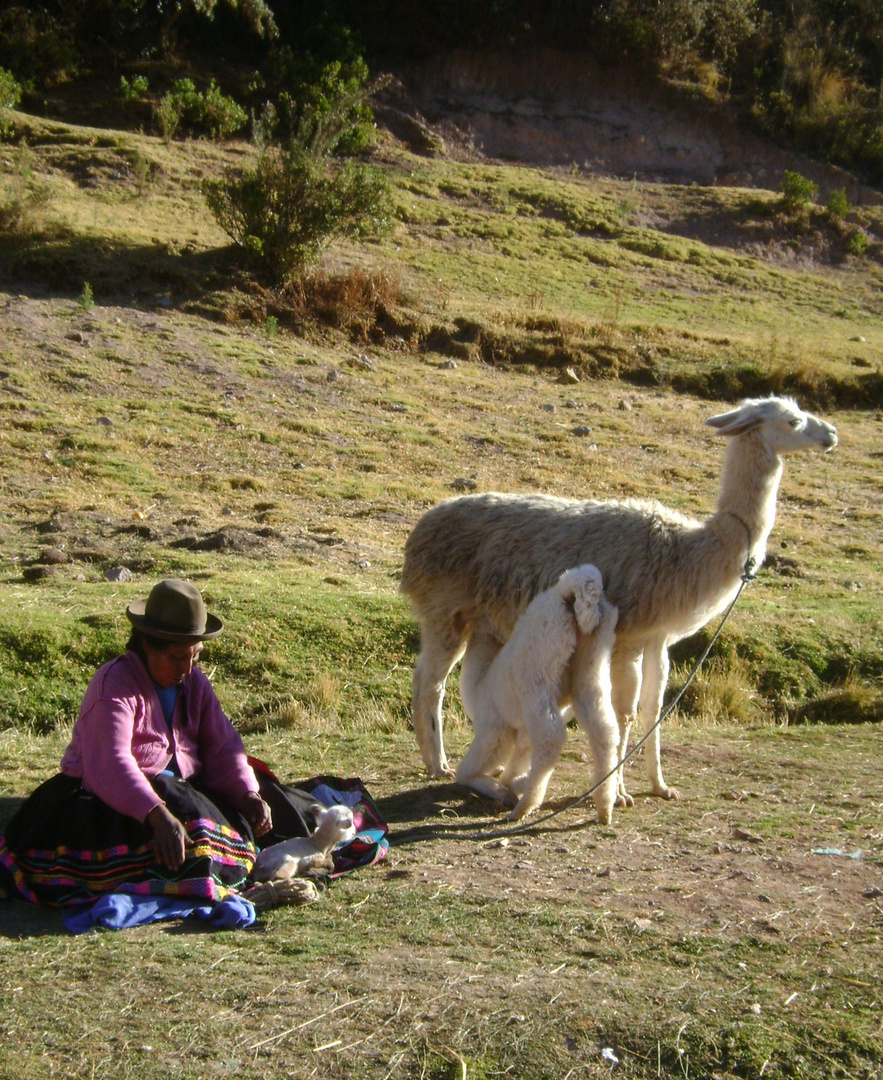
x=317, y=809
x=736, y=422
x=586, y=604
x=587, y=614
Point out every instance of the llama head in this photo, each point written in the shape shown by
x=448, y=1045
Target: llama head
x=780, y=423
x=334, y=824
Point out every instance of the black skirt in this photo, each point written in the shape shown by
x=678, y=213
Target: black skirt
x=66, y=846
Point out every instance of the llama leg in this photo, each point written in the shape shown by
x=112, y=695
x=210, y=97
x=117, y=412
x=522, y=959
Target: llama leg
x=438, y=653
x=492, y=745
x=653, y=688
x=547, y=738
x=625, y=676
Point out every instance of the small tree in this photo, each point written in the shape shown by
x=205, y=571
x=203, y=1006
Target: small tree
x=797, y=191
x=296, y=199
x=837, y=205
x=292, y=204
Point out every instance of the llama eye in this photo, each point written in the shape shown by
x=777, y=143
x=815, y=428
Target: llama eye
x=796, y=423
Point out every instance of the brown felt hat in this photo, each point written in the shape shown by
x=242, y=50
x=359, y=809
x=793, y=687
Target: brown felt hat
x=174, y=611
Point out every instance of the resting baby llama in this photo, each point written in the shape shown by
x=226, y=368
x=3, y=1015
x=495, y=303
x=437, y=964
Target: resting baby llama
x=480, y=560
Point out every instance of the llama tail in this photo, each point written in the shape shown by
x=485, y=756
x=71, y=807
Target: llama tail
x=582, y=587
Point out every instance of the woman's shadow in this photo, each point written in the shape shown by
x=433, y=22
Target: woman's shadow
x=18, y=919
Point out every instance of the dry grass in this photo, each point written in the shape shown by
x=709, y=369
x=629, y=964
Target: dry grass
x=283, y=470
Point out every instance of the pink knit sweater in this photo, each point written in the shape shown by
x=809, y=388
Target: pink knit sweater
x=121, y=738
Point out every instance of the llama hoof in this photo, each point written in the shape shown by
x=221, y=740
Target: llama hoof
x=624, y=799
x=605, y=817
x=666, y=792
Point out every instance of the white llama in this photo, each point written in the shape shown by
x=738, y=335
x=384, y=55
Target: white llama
x=478, y=560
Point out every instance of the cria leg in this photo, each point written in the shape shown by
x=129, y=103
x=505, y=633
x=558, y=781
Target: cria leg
x=439, y=652
x=492, y=745
x=514, y=774
x=547, y=739
x=594, y=713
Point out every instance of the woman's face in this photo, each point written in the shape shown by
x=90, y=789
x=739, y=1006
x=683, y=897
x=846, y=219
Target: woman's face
x=173, y=663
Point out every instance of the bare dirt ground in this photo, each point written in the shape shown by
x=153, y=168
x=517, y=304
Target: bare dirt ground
x=703, y=864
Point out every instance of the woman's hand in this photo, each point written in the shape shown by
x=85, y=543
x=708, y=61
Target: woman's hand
x=169, y=837
x=257, y=813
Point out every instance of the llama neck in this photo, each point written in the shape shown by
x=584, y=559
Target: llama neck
x=746, y=505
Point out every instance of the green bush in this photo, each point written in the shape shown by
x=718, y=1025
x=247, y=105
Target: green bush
x=858, y=243
x=797, y=191
x=292, y=204
x=837, y=205
x=285, y=210
x=10, y=96
x=135, y=88
x=207, y=111
x=334, y=98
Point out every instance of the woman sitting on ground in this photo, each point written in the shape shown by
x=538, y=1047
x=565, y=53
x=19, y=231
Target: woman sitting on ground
x=156, y=795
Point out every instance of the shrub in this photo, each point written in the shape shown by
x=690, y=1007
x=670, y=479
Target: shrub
x=207, y=111
x=797, y=191
x=283, y=212
x=134, y=89
x=858, y=243
x=86, y=299
x=336, y=101
x=10, y=96
x=36, y=45
x=837, y=205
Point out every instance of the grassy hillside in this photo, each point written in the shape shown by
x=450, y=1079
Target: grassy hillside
x=180, y=421
x=520, y=330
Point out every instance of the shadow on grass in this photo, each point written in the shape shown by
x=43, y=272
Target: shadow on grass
x=9, y=804
x=61, y=261
x=19, y=920
x=451, y=812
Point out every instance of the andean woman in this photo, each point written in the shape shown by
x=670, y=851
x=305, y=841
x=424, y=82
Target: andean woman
x=156, y=796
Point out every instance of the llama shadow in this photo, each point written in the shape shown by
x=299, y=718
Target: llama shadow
x=433, y=800
x=447, y=811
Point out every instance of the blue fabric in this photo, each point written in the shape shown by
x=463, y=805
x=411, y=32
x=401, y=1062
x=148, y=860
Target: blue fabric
x=168, y=696
x=121, y=911
x=330, y=796
x=168, y=699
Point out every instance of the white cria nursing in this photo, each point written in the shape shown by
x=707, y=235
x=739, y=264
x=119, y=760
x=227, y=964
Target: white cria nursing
x=477, y=561
x=307, y=854
x=514, y=694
